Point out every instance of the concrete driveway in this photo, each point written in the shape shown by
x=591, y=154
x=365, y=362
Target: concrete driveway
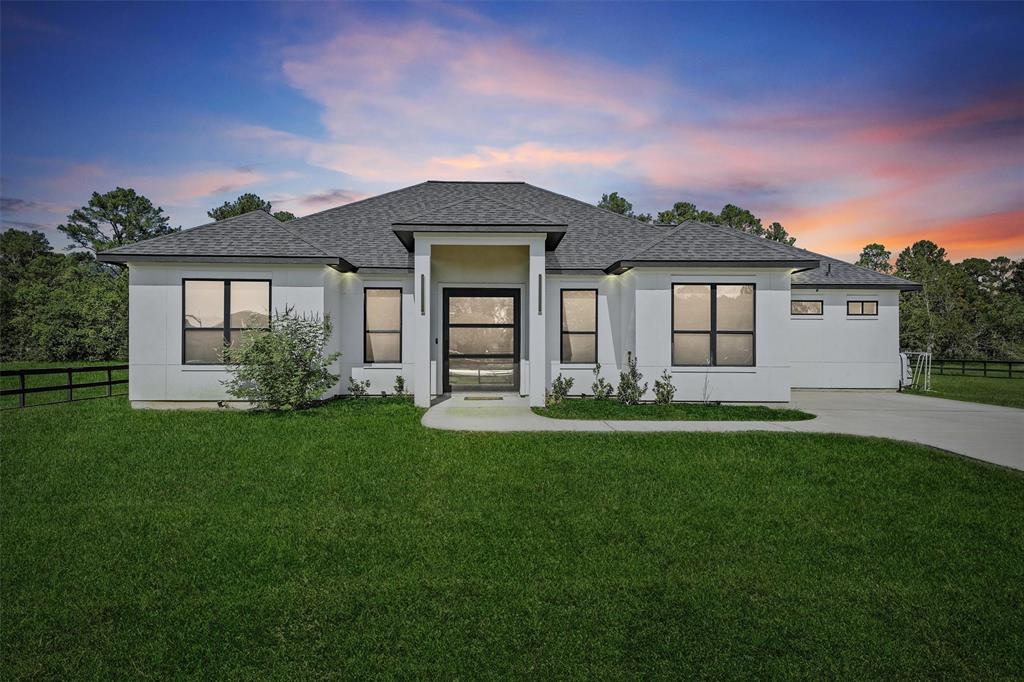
x=986, y=432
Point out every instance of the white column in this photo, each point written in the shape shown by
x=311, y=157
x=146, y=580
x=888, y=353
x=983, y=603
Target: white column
x=536, y=313
x=421, y=328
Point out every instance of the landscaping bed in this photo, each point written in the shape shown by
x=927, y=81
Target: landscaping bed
x=584, y=408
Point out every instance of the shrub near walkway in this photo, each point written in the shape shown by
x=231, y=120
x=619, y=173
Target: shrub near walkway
x=613, y=410
x=351, y=541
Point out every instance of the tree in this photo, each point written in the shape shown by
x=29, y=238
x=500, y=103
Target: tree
x=243, y=204
x=284, y=216
x=875, y=257
x=684, y=210
x=617, y=204
x=777, y=233
x=741, y=219
x=19, y=248
x=116, y=218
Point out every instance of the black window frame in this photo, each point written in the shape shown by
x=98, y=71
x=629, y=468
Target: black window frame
x=819, y=301
x=367, y=331
x=713, y=332
x=226, y=325
x=562, y=332
x=862, y=301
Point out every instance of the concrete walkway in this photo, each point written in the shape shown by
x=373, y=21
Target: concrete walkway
x=986, y=432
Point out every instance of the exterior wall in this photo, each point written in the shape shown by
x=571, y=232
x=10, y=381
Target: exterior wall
x=837, y=351
x=156, y=372
x=610, y=330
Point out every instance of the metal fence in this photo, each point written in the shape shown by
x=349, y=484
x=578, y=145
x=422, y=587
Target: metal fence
x=1003, y=369
x=67, y=387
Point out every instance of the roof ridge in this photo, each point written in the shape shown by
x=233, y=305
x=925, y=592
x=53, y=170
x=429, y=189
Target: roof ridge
x=411, y=219
x=633, y=219
x=302, y=239
x=659, y=239
x=189, y=229
x=361, y=201
x=771, y=243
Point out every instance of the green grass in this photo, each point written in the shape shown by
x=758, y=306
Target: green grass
x=60, y=380
x=349, y=541
x=988, y=390
x=613, y=409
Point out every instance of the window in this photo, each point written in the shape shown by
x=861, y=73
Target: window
x=218, y=313
x=713, y=325
x=806, y=307
x=579, y=326
x=862, y=308
x=382, y=324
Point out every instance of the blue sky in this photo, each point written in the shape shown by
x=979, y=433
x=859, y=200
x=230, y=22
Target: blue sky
x=848, y=123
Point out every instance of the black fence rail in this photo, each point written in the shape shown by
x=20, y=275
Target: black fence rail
x=50, y=384
x=1002, y=369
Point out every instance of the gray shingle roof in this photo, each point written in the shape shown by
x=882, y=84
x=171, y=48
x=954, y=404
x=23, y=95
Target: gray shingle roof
x=252, y=234
x=363, y=233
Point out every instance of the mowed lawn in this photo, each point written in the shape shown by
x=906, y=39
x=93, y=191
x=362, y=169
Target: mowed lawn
x=349, y=541
x=990, y=390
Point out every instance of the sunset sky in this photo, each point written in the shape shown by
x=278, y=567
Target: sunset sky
x=849, y=124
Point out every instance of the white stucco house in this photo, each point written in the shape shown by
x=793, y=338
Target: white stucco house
x=503, y=286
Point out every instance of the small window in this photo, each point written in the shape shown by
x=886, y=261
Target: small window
x=579, y=326
x=713, y=325
x=862, y=308
x=219, y=313
x=382, y=324
x=806, y=307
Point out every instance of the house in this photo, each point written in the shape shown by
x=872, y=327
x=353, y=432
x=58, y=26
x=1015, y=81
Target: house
x=502, y=286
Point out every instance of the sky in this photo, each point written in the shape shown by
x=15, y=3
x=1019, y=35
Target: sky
x=847, y=123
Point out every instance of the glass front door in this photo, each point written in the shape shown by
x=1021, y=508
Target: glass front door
x=481, y=339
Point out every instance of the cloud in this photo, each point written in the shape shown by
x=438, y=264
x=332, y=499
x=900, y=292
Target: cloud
x=318, y=201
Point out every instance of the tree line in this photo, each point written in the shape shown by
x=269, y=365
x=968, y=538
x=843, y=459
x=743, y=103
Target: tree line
x=66, y=305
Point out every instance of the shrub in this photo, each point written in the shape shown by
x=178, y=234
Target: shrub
x=560, y=388
x=285, y=366
x=358, y=389
x=630, y=392
x=664, y=389
x=601, y=389
x=399, y=385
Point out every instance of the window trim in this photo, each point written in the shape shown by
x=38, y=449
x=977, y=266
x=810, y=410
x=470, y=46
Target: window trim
x=401, y=324
x=862, y=301
x=806, y=300
x=226, y=325
x=713, y=332
x=561, y=325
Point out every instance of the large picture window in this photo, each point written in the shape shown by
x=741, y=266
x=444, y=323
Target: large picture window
x=579, y=326
x=218, y=313
x=713, y=325
x=382, y=324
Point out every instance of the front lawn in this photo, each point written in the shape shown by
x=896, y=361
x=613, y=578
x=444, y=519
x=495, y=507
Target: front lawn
x=989, y=390
x=350, y=541
x=613, y=409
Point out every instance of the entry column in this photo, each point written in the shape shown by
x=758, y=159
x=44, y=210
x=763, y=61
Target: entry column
x=536, y=314
x=421, y=333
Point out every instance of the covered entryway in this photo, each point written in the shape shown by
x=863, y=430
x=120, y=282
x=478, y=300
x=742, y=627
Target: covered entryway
x=481, y=339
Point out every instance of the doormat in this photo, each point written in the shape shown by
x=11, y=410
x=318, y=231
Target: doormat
x=483, y=397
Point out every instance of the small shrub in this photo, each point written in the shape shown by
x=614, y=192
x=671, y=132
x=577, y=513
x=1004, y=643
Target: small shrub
x=630, y=392
x=664, y=389
x=560, y=388
x=399, y=387
x=284, y=367
x=358, y=389
x=601, y=389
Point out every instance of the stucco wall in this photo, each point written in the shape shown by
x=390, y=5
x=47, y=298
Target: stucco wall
x=156, y=372
x=840, y=351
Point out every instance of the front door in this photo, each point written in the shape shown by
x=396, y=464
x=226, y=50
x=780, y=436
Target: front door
x=481, y=340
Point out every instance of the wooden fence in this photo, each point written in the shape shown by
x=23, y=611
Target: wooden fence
x=1003, y=369
x=67, y=387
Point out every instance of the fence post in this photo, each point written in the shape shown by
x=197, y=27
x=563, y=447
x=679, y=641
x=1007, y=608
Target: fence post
x=70, y=383
x=21, y=382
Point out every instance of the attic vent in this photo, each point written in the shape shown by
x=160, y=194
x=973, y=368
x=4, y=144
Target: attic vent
x=828, y=270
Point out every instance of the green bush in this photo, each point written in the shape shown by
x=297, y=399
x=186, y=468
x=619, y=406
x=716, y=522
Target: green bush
x=399, y=385
x=664, y=389
x=601, y=389
x=358, y=389
x=284, y=367
x=630, y=392
x=560, y=388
